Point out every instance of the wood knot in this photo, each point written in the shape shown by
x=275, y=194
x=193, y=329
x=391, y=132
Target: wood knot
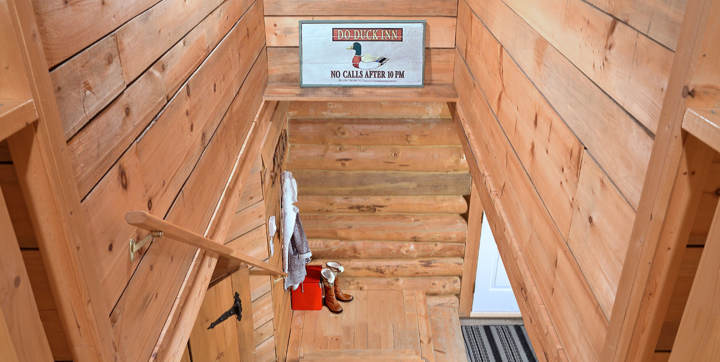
x=687, y=92
x=123, y=178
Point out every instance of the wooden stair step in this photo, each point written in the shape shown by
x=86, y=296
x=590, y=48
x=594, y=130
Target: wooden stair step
x=293, y=92
x=362, y=355
x=448, y=343
x=440, y=228
x=410, y=132
x=399, y=268
x=343, y=249
x=425, y=334
x=428, y=204
x=377, y=158
x=322, y=182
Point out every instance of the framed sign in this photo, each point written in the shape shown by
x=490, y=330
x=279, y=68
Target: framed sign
x=362, y=53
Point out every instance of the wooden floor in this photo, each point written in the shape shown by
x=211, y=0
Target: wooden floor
x=380, y=324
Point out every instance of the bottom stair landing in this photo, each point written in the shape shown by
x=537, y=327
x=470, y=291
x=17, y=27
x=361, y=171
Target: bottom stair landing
x=380, y=324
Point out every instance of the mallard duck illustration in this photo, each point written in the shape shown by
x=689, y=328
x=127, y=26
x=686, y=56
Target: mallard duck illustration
x=361, y=61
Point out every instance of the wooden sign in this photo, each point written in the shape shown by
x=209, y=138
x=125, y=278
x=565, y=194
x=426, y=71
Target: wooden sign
x=362, y=53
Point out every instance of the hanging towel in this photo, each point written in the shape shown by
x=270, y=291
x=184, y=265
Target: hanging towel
x=296, y=251
x=298, y=256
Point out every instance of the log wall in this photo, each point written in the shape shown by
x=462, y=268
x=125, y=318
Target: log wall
x=156, y=98
x=382, y=192
x=559, y=104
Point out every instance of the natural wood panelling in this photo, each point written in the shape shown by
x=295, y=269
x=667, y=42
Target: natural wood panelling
x=259, y=285
x=574, y=311
x=546, y=146
x=363, y=158
x=600, y=232
x=429, y=285
x=265, y=352
x=247, y=219
x=399, y=267
x=382, y=204
x=408, y=132
x=98, y=145
x=291, y=92
x=368, y=110
x=202, y=188
x=434, y=228
x=87, y=83
x=67, y=27
x=619, y=144
x=318, y=182
x=354, y=8
x=345, y=249
x=630, y=67
x=658, y=19
x=537, y=318
x=168, y=21
x=283, y=65
x=283, y=31
x=262, y=310
x=263, y=332
x=150, y=174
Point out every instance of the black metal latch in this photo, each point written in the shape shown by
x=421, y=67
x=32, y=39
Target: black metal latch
x=236, y=309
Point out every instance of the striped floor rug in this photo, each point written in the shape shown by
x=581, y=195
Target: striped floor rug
x=497, y=343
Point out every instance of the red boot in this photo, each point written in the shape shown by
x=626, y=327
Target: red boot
x=338, y=269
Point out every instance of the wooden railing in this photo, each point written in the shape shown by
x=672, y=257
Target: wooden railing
x=144, y=220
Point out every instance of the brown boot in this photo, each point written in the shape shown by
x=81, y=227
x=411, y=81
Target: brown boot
x=338, y=269
x=331, y=302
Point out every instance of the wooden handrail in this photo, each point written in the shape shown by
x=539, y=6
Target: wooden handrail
x=149, y=222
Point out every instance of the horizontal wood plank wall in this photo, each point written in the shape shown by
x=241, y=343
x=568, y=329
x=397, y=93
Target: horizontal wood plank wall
x=562, y=138
x=382, y=192
x=282, y=31
x=156, y=98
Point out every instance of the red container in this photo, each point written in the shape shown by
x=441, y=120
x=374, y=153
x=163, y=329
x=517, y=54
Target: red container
x=308, y=296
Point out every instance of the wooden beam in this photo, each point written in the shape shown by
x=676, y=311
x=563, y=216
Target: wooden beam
x=14, y=115
x=703, y=124
x=699, y=332
x=17, y=302
x=144, y=220
x=472, y=249
x=44, y=173
x=629, y=335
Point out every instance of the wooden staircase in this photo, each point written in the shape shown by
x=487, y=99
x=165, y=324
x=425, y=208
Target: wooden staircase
x=384, y=198
x=380, y=325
